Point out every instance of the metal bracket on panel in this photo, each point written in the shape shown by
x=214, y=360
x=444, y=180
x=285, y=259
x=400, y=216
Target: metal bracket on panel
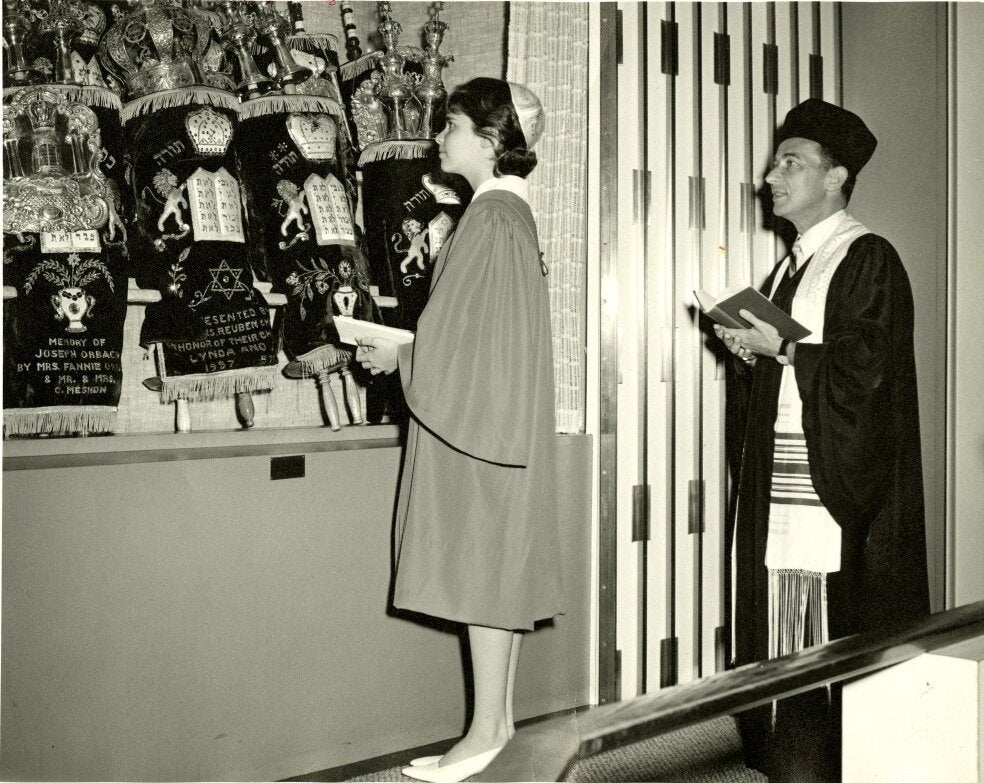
x=670, y=57
x=617, y=685
x=770, y=69
x=640, y=512
x=816, y=76
x=618, y=37
x=647, y=196
x=697, y=218
x=722, y=59
x=747, y=222
x=720, y=654
x=668, y=662
x=667, y=370
x=695, y=506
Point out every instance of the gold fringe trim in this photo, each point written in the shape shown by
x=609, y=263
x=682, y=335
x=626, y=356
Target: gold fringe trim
x=181, y=96
x=354, y=68
x=327, y=357
x=312, y=42
x=396, y=150
x=279, y=104
x=59, y=420
x=89, y=94
x=209, y=386
x=302, y=42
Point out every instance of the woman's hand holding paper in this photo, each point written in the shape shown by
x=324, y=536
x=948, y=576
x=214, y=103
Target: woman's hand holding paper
x=377, y=354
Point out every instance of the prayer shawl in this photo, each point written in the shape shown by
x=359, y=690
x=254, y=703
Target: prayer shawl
x=292, y=153
x=212, y=325
x=411, y=208
x=804, y=541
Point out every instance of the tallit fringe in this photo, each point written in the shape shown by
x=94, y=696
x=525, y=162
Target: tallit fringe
x=181, y=96
x=328, y=357
x=280, y=104
x=89, y=94
x=59, y=420
x=353, y=68
x=209, y=386
x=791, y=594
x=396, y=150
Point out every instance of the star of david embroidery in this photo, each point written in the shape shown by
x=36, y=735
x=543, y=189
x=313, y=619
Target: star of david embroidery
x=225, y=280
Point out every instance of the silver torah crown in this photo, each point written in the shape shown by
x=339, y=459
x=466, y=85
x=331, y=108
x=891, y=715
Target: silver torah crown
x=396, y=104
x=52, y=181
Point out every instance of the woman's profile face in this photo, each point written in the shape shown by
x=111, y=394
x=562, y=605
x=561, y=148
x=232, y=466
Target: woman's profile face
x=461, y=149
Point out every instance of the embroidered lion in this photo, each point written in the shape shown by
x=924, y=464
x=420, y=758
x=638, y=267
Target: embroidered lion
x=414, y=231
x=295, y=199
x=166, y=183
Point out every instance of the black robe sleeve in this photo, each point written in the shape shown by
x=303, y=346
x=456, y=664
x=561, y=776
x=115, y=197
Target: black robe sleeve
x=861, y=419
x=847, y=381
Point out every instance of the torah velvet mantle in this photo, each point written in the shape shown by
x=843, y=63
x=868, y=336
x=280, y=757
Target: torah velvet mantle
x=63, y=332
x=212, y=325
x=63, y=338
x=299, y=205
x=411, y=208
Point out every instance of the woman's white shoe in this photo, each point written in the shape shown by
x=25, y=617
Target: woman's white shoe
x=452, y=773
x=423, y=761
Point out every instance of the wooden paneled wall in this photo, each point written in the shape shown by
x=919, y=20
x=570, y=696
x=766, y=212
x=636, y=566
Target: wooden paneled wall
x=701, y=88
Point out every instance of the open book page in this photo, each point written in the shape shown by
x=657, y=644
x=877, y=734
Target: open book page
x=351, y=330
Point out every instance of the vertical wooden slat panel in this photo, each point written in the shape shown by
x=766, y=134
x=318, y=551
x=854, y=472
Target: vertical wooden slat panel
x=608, y=675
x=828, y=14
x=760, y=137
x=786, y=98
x=805, y=48
x=790, y=34
x=704, y=136
x=641, y=514
x=671, y=66
x=717, y=80
x=659, y=239
x=710, y=444
x=685, y=386
x=631, y=417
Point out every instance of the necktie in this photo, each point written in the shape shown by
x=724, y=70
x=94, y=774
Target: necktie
x=797, y=260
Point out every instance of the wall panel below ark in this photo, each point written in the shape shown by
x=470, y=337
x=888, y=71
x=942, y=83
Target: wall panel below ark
x=172, y=613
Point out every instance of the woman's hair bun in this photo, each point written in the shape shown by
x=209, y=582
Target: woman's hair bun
x=518, y=160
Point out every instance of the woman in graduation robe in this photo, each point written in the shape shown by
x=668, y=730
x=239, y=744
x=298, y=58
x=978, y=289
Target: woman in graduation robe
x=476, y=523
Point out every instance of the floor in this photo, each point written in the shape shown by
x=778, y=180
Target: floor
x=707, y=753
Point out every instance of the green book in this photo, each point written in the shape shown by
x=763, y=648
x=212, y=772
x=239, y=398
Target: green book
x=724, y=309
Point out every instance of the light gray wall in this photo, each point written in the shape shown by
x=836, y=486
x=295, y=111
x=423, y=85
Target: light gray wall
x=173, y=618
x=894, y=76
x=967, y=427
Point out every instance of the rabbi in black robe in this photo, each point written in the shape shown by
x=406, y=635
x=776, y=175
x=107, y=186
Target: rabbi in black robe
x=829, y=534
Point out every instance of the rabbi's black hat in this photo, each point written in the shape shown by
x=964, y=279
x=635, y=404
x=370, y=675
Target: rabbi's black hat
x=842, y=132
